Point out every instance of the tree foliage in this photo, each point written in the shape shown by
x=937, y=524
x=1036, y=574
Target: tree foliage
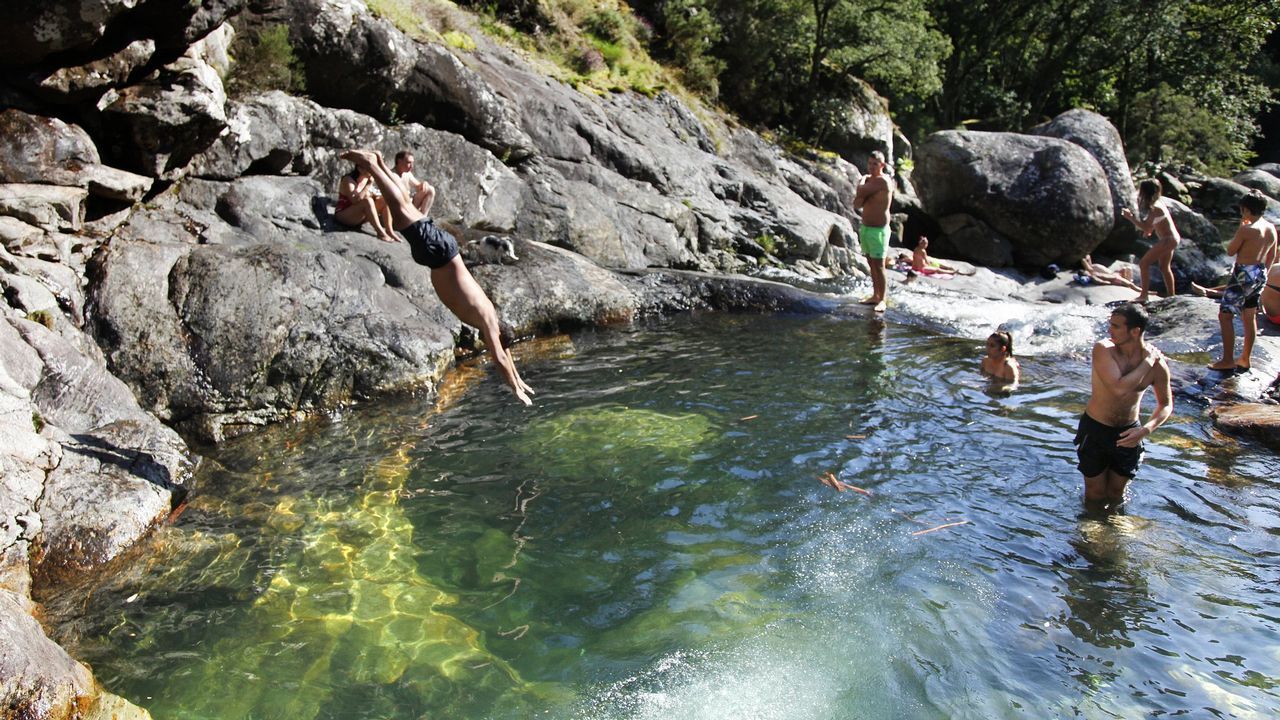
x=1181, y=79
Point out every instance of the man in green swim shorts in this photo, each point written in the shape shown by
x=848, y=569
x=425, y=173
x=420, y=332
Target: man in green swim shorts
x=872, y=199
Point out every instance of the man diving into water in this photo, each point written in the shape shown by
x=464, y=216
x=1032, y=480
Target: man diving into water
x=438, y=250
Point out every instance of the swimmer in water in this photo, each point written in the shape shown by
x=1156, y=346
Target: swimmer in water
x=999, y=363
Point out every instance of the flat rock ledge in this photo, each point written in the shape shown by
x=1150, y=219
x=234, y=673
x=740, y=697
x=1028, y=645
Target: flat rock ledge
x=1258, y=421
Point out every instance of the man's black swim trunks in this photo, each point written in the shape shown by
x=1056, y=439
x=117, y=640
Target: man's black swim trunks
x=1096, y=447
x=430, y=245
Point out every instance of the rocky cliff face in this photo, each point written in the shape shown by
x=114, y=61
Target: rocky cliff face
x=170, y=261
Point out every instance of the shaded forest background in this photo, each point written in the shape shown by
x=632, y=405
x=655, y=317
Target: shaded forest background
x=1189, y=83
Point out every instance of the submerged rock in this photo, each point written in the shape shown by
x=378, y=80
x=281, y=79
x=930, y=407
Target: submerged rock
x=1253, y=420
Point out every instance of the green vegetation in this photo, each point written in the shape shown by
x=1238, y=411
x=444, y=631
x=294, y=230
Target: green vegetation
x=44, y=317
x=768, y=242
x=265, y=61
x=1183, y=80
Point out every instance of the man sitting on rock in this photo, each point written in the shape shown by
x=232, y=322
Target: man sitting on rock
x=419, y=191
x=438, y=250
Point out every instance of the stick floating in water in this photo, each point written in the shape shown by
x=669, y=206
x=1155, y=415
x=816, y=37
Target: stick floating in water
x=855, y=437
x=940, y=527
x=831, y=481
x=749, y=417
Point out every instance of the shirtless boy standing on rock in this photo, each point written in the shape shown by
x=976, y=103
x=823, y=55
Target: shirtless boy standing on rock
x=872, y=199
x=1109, y=439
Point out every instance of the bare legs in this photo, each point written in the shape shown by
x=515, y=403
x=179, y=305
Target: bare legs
x=1226, y=323
x=457, y=289
x=424, y=198
x=878, y=289
x=1162, y=253
x=460, y=292
x=368, y=210
x=1105, y=490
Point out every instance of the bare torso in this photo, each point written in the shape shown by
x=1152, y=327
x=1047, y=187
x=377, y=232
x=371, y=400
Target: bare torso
x=1161, y=223
x=1108, y=405
x=873, y=198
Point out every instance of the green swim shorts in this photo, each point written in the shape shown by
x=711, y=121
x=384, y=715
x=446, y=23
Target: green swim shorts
x=874, y=240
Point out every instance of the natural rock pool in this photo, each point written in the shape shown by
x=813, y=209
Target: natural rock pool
x=651, y=541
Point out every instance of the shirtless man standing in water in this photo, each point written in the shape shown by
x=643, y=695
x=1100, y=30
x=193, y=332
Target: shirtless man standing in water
x=1109, y=439
x=872, y=199
x=438, y=250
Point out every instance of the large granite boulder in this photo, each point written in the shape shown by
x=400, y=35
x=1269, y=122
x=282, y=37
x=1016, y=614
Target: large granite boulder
x=865, y=126
x=1047, y=198
x=399, y=78
x=49, y=207
x=1260, y=180
x=158, y=125
x=37, y=149
x=1095, y=133
x=216, y=339
x=1219, y=198
x=1252, y=420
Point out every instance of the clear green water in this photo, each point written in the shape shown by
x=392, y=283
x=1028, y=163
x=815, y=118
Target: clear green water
x=635, y=547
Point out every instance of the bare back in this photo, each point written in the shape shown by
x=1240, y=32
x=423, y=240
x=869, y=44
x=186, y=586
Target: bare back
x=1254, y=243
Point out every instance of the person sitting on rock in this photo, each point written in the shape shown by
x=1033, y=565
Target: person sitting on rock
x=1270, y=297
x=921, y=262
x=1101, y=275
x=1254, y=247
x=438, y=250
x=420, y=192
x=1156, y=220
x=359, y=203
x=999, y=363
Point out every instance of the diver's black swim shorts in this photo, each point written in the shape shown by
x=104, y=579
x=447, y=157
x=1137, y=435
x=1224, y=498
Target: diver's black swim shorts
x=430, y=245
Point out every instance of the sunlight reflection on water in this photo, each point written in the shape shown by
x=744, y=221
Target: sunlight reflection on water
x=651, y=540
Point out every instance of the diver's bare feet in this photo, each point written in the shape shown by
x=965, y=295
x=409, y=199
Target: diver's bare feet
x=1198, y=290
x=879, y=307
x=1223, y=366
x=868, y=300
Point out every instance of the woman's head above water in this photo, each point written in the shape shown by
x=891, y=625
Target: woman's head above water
x=1000, y=344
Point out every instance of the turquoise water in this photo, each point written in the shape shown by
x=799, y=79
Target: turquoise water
x=651, y=541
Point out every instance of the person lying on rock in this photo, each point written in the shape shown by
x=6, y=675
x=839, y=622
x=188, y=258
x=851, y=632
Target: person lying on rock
x=1099, y=274
x=1156, y=220
x=438, y=250
x=1254, y=247
x=360, y=203
x=999, y=363
x=1109, y=438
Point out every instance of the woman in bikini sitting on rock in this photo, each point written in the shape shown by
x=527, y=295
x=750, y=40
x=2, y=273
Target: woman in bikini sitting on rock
x=358, y=204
